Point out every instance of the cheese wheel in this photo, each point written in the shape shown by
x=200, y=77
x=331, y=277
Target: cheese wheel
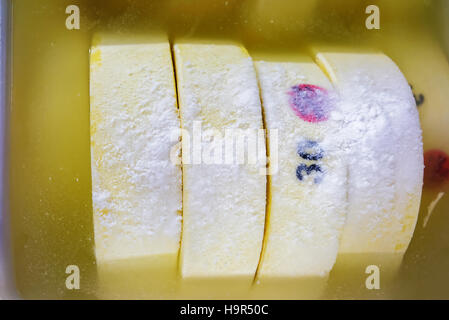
x=307, y=200
x=136, y=187
x=223, y=201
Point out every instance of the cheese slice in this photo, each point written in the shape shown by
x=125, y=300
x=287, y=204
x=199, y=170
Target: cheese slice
x=136, y=187
x=389, y=165
x=385, y=162
x=428, y=82
x=223, y=199
x=307, y=199
x=424, y=62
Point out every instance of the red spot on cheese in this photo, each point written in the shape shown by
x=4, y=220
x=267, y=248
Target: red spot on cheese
x=310, y=102
x=436, y=171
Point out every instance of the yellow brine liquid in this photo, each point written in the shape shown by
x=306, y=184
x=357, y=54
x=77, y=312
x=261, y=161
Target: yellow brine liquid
x=50, y=188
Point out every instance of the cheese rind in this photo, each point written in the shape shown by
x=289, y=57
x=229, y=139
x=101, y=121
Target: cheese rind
x=307, y=215
x=136, y=188
x=223, y=203
x=385, y=152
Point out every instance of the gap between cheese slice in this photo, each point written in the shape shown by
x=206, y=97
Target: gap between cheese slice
x=385, y=163
x=136, y=188
x=307, y=200
x=223, y=202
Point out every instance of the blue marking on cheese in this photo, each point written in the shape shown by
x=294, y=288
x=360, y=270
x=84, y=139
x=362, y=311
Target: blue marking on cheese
x=308, y=169
x=310, y=150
